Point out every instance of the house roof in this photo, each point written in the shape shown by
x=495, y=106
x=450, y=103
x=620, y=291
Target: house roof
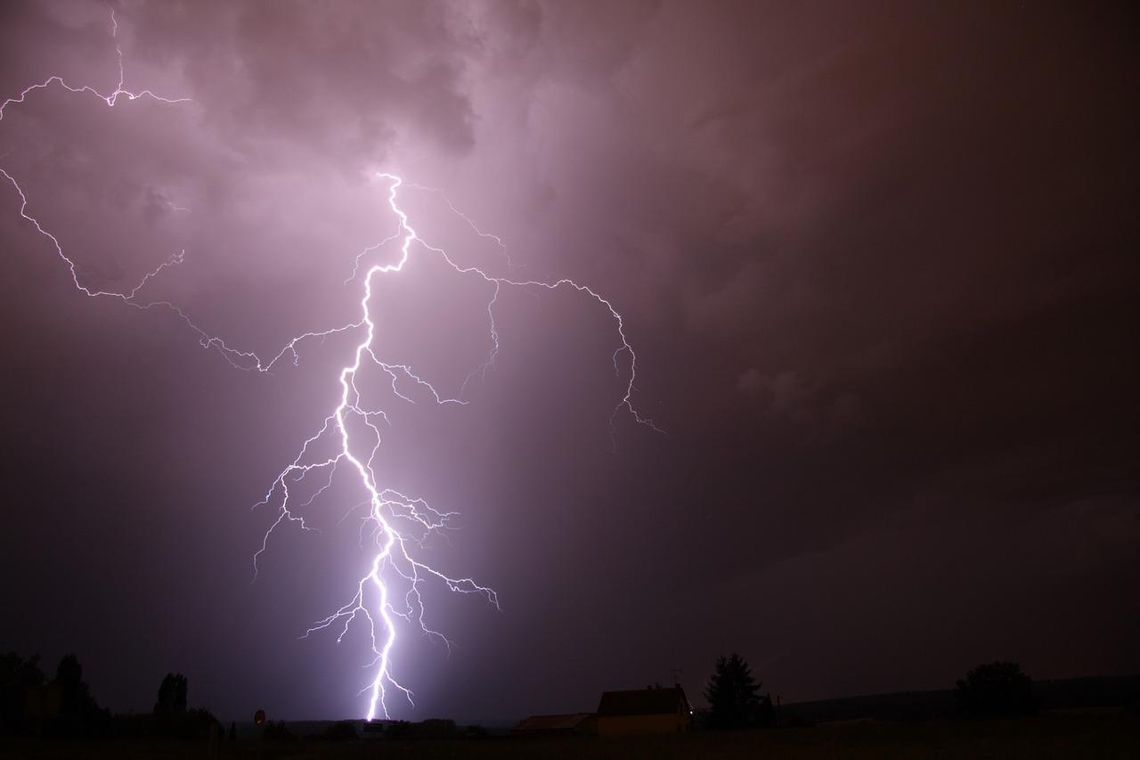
x=657, y=701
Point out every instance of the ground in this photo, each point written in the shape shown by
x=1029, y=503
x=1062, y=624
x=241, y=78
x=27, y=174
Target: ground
x=1095, y=734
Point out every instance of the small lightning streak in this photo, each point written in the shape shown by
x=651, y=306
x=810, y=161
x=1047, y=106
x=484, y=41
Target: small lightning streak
x=469, y=222
x=390, y=593
x=110, y=99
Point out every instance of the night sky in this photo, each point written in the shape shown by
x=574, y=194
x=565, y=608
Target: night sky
x=878, y=262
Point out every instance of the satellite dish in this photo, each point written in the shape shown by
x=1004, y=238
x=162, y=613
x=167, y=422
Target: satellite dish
x=259, y=718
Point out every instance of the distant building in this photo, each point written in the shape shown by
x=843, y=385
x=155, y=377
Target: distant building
x=644, y=711
x=575, y=723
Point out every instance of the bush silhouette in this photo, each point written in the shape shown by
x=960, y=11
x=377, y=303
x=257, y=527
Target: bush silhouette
x=997, y=689
x=278, y=732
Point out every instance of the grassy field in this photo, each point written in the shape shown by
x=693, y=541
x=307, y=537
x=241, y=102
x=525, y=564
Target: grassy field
x=1085, y=735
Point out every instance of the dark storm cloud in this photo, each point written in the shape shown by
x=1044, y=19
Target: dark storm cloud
x=338, y=79
x=877, y=260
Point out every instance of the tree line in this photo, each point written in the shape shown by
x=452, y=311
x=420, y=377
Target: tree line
x=63, y=706
x=32, y=704
x=992, y=690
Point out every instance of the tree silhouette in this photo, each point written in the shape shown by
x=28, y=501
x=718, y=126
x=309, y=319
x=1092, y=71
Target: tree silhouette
x=78, y=712
x=998, y=689
x=76, y=696
x=171, y=695
x=17, y=677
x=734, y=696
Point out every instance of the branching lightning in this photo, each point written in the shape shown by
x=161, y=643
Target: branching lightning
x=389, y=595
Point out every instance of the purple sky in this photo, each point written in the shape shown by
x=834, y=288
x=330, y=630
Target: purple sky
x=878, y=261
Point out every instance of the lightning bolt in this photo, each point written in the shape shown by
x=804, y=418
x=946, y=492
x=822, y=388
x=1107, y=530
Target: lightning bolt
x=389, y=594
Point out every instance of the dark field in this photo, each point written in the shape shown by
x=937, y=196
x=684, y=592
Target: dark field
x=1096, y=735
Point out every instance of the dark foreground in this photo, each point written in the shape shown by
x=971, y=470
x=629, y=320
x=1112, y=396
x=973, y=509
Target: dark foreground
x=1104, y=734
